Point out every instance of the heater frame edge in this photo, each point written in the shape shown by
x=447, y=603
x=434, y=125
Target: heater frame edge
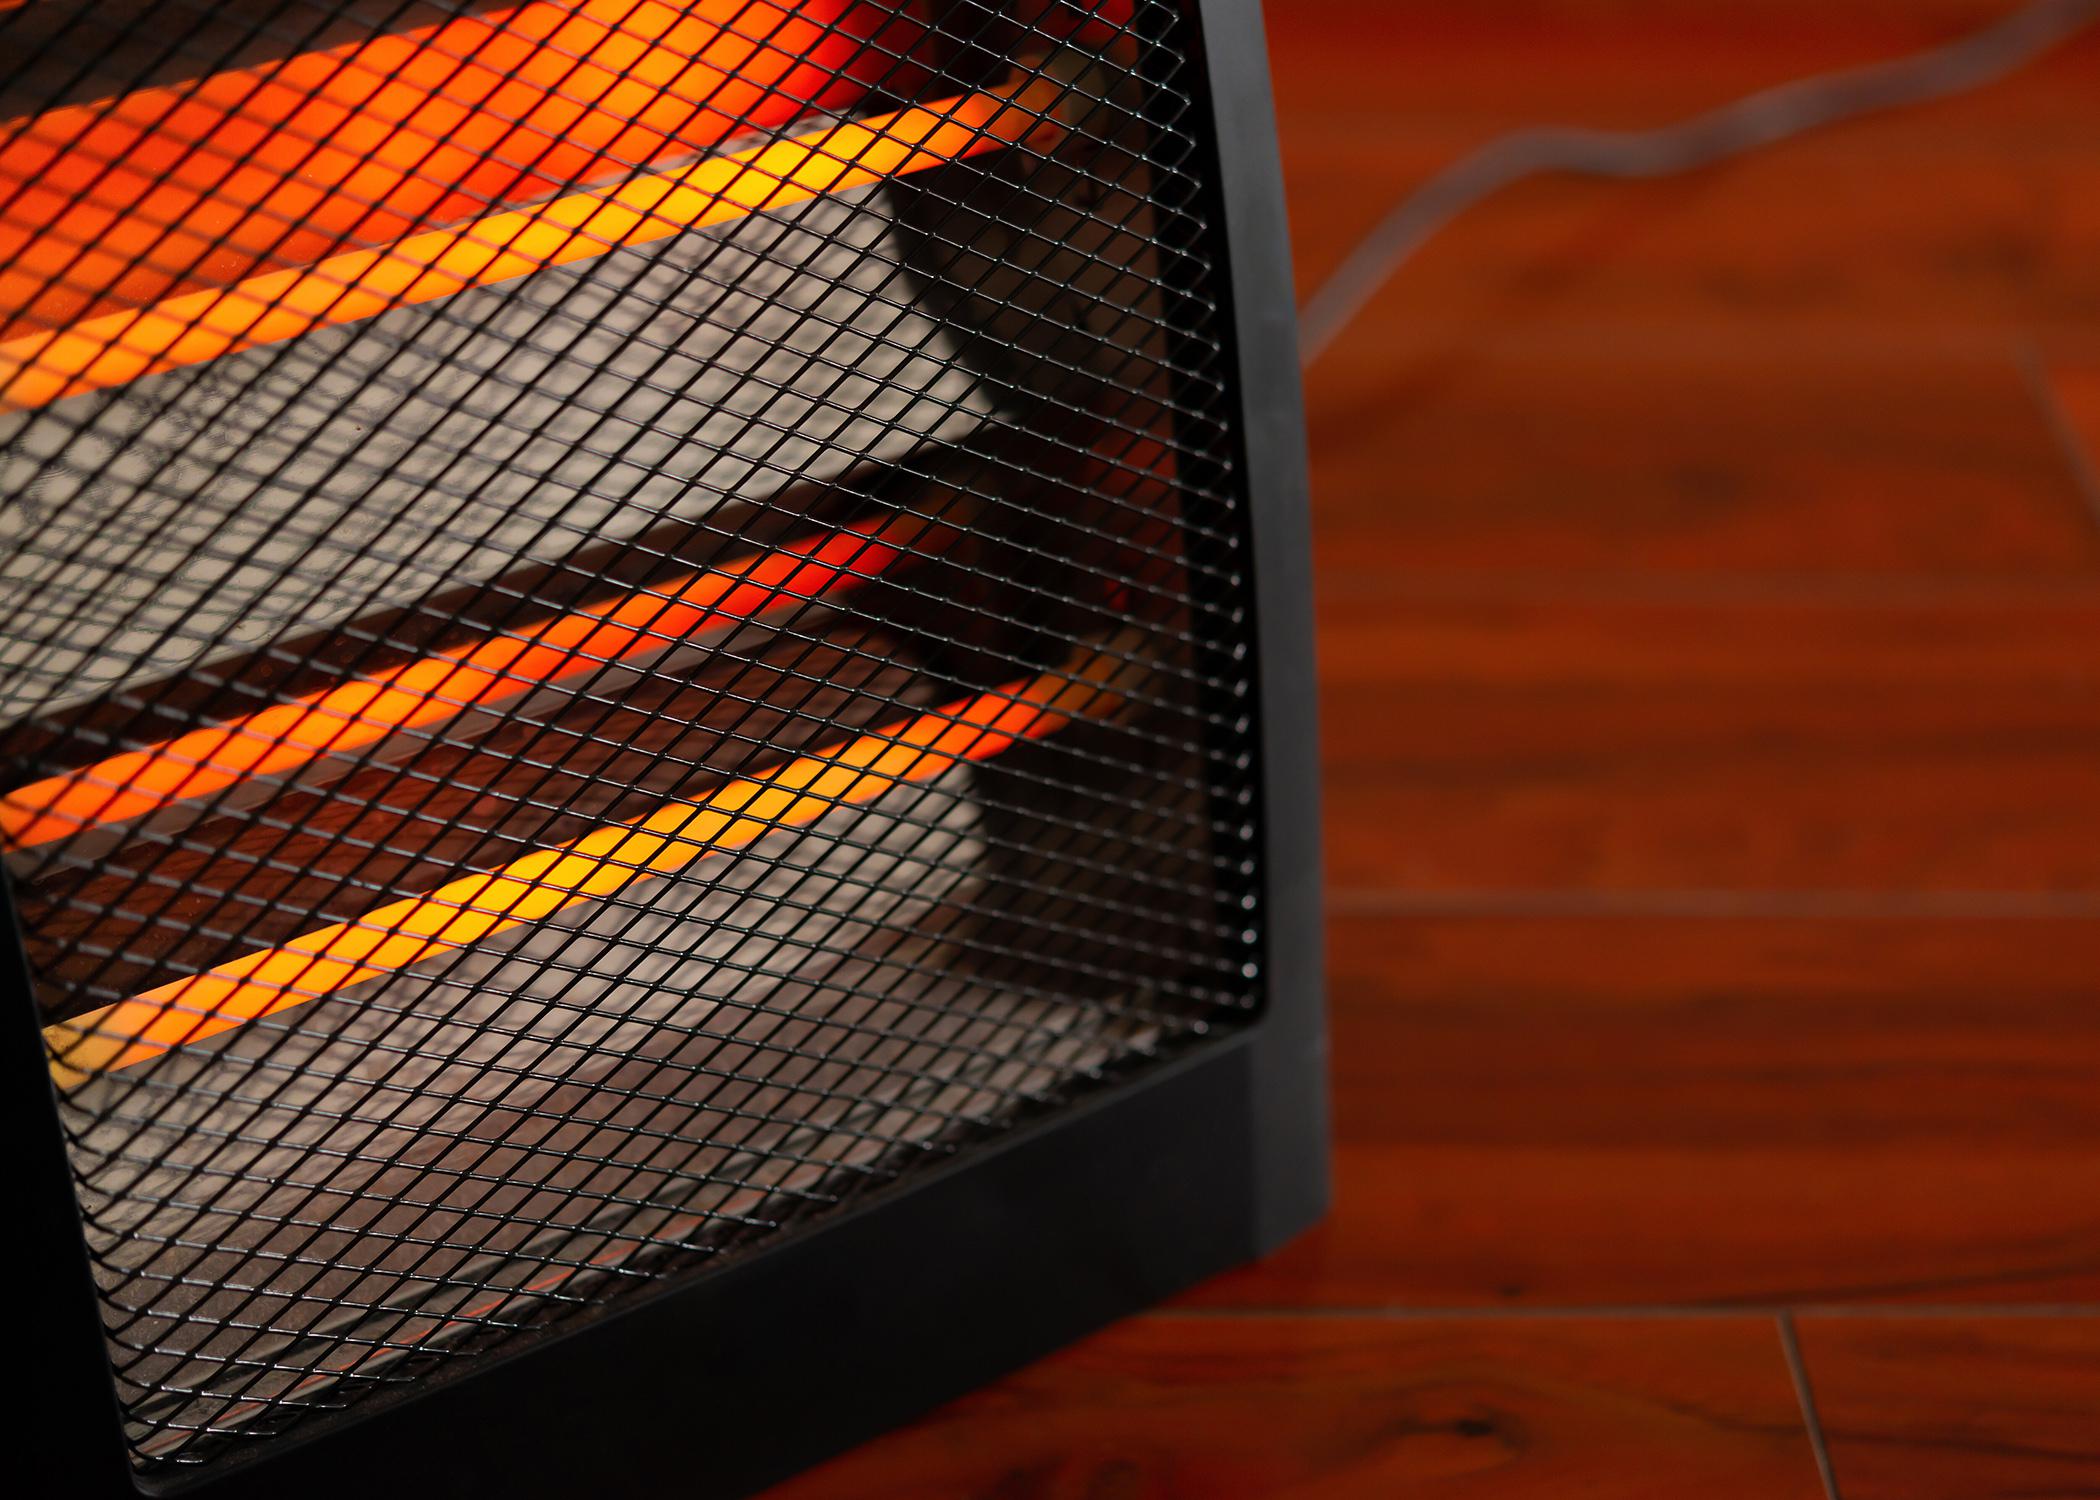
x=1289, y=1080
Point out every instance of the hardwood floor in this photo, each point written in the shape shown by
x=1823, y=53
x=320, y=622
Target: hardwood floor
x=1246, y=1408
x=1627, y=1106
x=1698, y=762
x=1710, y=626
x=1967, y=1408
x=1535, y=469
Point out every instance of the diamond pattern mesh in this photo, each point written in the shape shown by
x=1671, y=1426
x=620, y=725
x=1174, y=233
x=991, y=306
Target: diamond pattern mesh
x=624, y=621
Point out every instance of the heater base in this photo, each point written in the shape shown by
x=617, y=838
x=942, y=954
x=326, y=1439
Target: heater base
x=729, y=1381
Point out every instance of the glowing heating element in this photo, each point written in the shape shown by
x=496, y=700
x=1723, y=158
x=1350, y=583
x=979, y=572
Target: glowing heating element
x=120, y=202
x=432, y=689
x=115, y=348
x=592, y=868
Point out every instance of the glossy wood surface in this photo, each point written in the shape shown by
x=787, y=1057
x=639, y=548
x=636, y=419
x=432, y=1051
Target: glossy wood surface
x=1710, y=623
x=1968, y=1408
x=1192, y=1408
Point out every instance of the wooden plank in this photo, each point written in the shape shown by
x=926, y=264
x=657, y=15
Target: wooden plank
x=1737, y=746
x=1595, y=458
x=1237, y=1408
x=1673, y=1108
x=1421, y=631
x=1958, y=1408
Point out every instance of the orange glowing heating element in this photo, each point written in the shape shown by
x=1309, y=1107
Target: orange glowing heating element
x=592, y=868
x=432, y=689
x=122, y=201
x=113, y=348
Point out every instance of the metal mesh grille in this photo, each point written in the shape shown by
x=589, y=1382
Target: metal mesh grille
x=624, y=620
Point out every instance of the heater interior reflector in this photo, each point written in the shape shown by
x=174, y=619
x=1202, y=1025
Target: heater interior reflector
x=622, y=622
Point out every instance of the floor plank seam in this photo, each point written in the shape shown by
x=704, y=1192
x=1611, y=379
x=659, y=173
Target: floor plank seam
x=1797, y=1369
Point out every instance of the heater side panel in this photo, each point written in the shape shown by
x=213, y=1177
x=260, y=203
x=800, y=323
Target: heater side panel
x=1289, y=1069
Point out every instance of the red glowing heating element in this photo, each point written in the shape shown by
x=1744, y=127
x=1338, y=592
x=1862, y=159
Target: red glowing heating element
x=279, y=740
x=173, y=226
x=123, y=202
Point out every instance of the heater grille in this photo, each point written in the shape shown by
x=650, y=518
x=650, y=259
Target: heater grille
x=624, y=620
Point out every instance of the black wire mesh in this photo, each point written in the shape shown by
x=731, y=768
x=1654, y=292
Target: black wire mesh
x=624, y=620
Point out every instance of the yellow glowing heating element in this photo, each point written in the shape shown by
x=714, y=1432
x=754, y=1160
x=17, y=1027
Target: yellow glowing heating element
x=114, y=348
x=592, y=868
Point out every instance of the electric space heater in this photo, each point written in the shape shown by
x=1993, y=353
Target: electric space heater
x=655, y=720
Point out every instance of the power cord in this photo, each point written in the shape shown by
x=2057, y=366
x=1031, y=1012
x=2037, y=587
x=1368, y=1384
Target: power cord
x=1761, y=119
